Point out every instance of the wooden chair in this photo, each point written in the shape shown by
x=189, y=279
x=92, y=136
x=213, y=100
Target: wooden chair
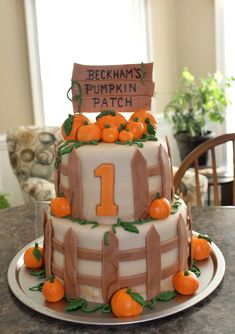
x=191, y=161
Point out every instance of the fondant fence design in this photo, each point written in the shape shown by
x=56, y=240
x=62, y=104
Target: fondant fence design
x=140, y=180
x=110, y=257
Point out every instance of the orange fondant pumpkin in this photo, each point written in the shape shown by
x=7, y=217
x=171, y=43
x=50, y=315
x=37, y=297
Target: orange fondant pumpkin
x=109, y=135
x=125, y=135
x=124, y=305
x=34, y=257
x=136, y=127
x=71, y=125
x=60, y=207
x=53, y=290
x=111, y=117
x=160, y=208
x=185, y=282
x=201, y=247
x=143, y=116
x=89, y=132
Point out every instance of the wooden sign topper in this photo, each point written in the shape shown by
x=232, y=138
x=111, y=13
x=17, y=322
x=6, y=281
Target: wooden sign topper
x=119, y=87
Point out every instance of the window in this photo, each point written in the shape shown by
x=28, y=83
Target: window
x=225, y=27
x=91, y=32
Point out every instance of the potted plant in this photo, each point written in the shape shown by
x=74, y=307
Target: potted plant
x=189, y=110
x=3, y=201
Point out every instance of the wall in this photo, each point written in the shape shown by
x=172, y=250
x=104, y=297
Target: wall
x=15, y=91
x=182, y=34
x=195, y=23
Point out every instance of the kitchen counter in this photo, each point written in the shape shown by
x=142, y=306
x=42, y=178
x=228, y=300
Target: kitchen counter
x=214, y=314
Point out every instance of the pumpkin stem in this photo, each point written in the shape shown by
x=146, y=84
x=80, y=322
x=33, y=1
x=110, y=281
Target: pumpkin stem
x=136, y=119
x=186, y=273
x=107, y=126
x=51, y=278
x=158, y=195
x=85, y=123
x=36, y=245
x=121, y=127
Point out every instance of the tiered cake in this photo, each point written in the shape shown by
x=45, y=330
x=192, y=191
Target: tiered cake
x=109, y=240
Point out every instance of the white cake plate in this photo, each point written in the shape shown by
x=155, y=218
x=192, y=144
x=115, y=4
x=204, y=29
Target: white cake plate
x=19, y=280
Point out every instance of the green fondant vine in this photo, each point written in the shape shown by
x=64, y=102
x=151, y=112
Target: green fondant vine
x=84, y=221
x=83, y=305
x=68, y=146
x=39, y=273
x=143, y=73
x=78, y=97
x=176, y=204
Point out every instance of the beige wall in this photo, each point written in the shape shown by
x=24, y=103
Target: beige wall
x=15, y=93
x=182, y=34
x=196, y=36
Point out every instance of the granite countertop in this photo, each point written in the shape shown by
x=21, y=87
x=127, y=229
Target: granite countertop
x=215, y=314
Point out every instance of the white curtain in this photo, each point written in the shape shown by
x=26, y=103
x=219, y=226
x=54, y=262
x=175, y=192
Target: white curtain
x=87, y=32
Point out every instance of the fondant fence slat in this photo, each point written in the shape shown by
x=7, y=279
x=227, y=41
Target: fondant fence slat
x=183, y=244
x=110, y=267
x=56, y=172
x=167, y=182
x=153, y=245
x=44, y=221
x=48, y=247
x=172, y=176
x=140, y=185
x=75, y=183
x=189, y=222
x=71, y=264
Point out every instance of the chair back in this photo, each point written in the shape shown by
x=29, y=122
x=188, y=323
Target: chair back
x=192, y=161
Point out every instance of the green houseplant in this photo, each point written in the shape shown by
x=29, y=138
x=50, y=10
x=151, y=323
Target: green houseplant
x=3, y=201
x=199, y=101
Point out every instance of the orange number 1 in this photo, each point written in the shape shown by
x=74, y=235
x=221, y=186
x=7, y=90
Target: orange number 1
x=107, y=206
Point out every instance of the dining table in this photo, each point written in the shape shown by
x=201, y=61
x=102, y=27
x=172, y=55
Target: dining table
x=213, y=314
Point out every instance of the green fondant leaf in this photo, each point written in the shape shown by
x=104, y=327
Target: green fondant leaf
x=75, y=304
x=40, y=273
x=176, y=197
x=152, y=138
x=175, y=206
x=136, y=296
x=106, y=238
x=195, y=269
x=106, y=112
x=150, y=128
x=83, y=221
x=204, y=236
x=129, y=227
x=165, y=296
x=37, y=287
x=36, y=252
x=68, y=124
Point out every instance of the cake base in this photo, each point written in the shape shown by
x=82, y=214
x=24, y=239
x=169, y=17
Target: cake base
x=19, y=280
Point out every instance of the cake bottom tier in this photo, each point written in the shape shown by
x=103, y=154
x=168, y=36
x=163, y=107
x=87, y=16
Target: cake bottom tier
x=94, y=261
